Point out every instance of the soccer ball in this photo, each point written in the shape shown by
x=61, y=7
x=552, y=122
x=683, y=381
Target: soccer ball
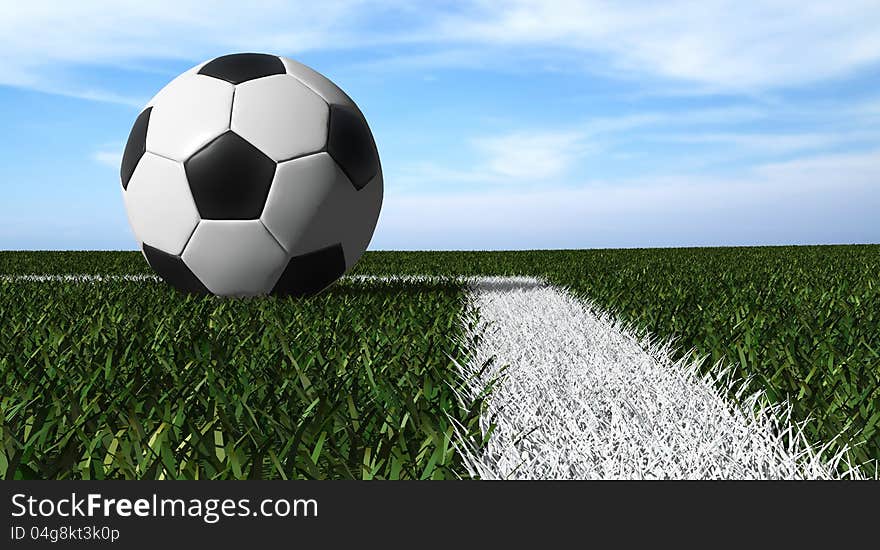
x=251, y=174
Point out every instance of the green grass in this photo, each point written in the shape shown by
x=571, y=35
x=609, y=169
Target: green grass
x=802, y=323
x=73, y=261
x=132, y=380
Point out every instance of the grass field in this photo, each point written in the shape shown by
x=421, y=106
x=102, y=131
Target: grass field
x=90, y=375
x=131, y=380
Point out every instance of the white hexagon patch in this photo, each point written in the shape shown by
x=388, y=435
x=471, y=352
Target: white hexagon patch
x=319, y=83
x=312, y=205
x=281, y=116
x=160, y=207
x=297, y=197
x=188, y=113
x=235, y=257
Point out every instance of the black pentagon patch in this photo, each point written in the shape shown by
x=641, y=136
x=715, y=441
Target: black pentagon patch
x=135, y=147
x=229, y=179
x=241, y=67
x=173, y=271
x=351, y=144
x=311, y=273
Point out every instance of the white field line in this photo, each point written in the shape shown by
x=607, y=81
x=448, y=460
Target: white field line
x=82, y=278
x=90, y=278
x=578, y=396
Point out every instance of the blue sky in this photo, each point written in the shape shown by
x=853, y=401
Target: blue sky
x=501, y=125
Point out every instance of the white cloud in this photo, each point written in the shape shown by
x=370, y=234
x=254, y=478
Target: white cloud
x=770, y=143
x=727, y=44
x=531, y=156
x=89, y=93
x=834, y=170
x=710, y=45
x=516, y=158
x=39, y=41
x=96, y=31
x=112, y=159
x=822, y=199
x=871, y=107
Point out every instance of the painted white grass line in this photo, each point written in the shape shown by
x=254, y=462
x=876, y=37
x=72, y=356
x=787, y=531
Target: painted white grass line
x=89, y=278
x=73, y=277
x=582, y=397
x=512, y=281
